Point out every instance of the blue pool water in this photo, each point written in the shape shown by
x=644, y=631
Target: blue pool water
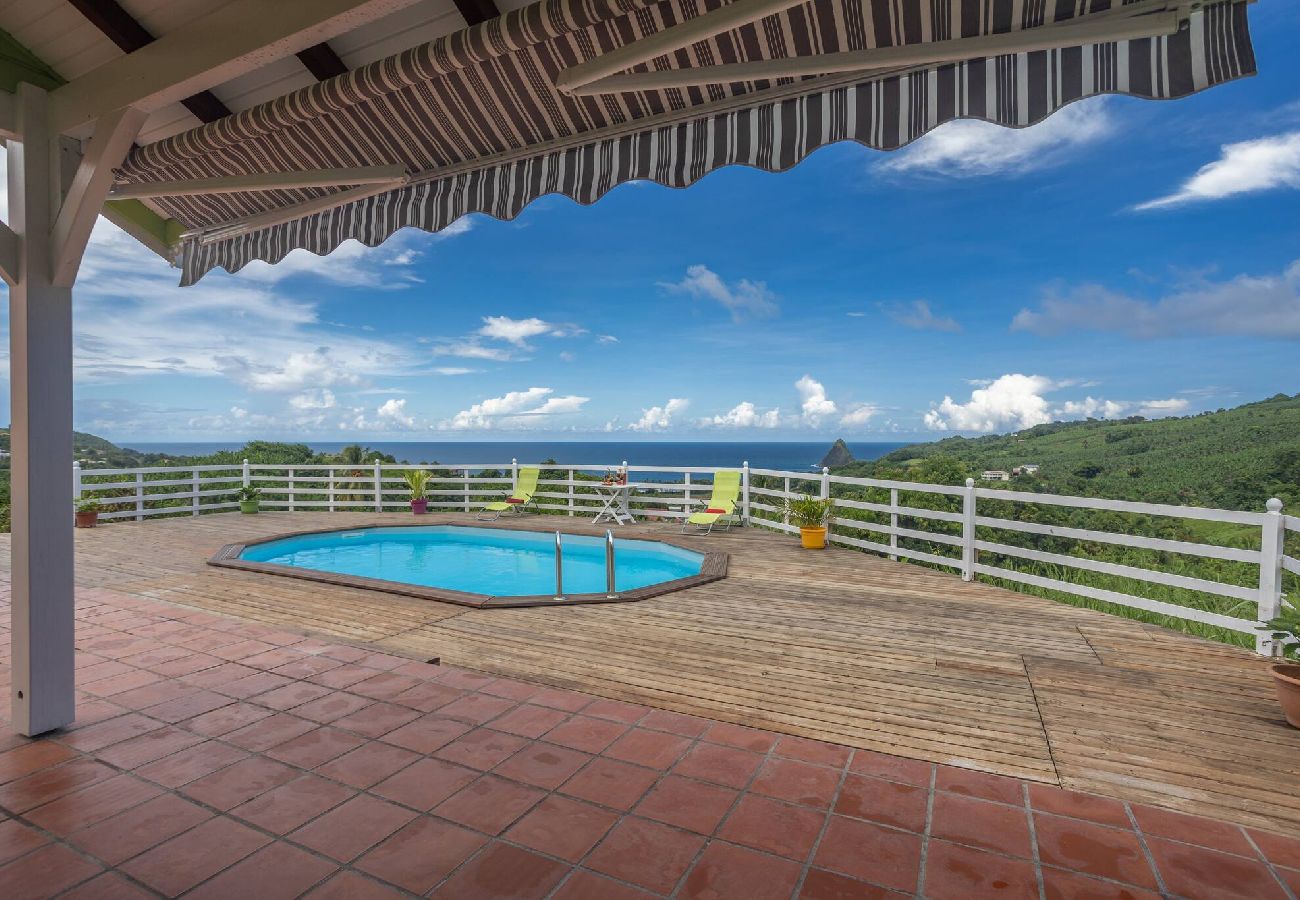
x=489, y=561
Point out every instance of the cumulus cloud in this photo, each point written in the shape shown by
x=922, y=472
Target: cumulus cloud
x=516, y=409
x=1252, y=305
x=745, y=415
x=317, y=399
x=814, y=404
x=1013, y=402
x=858, y=415
x=300, y=370
x=1246, y=167
x=515, y=331
x=472, y=349
x=744, y=299
x=967, y=148
x=657, y=418
x=918, y=315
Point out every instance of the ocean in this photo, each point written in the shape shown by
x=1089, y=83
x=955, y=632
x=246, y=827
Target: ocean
x=794, y=456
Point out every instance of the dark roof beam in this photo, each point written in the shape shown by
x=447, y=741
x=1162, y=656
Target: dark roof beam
x=476, y=11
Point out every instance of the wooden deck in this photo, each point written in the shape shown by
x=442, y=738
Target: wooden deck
x=835, y=645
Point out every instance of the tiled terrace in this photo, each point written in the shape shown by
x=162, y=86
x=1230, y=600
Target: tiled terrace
x=217, y=757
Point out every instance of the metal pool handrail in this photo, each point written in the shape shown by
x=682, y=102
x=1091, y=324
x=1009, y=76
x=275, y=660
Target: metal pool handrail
x=610, y=591
x=559, y=569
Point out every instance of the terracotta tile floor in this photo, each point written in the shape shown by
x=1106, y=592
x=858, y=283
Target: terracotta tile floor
x=216, y=759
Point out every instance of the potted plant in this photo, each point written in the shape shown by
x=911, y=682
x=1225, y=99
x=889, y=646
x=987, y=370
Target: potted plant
x=810, y=514
x=248, y=502
x=87, y=512
x=1285, y=632
x=417, y=480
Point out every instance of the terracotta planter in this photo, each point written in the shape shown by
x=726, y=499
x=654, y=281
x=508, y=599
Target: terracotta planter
x=249, y=507
x=420, y=507
x=1286, y=678
x=86, y=519
x=813, y=538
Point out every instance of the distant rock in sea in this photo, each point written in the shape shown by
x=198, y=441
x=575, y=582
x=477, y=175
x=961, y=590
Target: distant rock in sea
x=839, y=455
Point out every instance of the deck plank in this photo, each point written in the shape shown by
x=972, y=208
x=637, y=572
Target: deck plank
x=838, y=646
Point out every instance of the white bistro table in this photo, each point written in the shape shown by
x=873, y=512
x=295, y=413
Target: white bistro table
x=615, y=497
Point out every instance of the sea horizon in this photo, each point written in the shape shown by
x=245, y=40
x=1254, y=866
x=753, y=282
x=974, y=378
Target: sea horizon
x=791, y=455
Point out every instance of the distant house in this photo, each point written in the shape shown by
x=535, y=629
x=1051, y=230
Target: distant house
x=996, y=475
x=1026, y=469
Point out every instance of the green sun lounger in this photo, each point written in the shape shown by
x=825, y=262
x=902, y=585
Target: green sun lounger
x=721, y=507
x=518, y=499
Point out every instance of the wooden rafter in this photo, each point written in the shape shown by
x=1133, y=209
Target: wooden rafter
x=122, y=29
x=477, y=11
x=322, y=62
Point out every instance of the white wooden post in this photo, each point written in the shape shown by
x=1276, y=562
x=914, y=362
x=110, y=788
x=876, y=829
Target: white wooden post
x=379, y=488
x=893, y=522
x=248, y=474
x=466, y=471
x=40, y=386
x=514, y=475
x=571, y=495
x=1270, y=571
x=291, y=491
x=194, y=504
x=686, y=491
x=76, y=482
x=744, y=493
x=139, y=496
x=826, y=495
x=968, y=531
x=785, y=509
x=330, y=476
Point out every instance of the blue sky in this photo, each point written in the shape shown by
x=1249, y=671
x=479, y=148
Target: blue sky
x=1124, y=257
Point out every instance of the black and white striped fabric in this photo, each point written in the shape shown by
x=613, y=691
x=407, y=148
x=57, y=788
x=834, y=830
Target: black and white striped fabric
x=477, y=119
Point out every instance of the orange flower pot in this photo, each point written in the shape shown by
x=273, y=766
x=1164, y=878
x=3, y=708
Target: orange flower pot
x=1286, y=678
x=813, y=538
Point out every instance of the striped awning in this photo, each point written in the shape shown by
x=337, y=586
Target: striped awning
x=477, y=121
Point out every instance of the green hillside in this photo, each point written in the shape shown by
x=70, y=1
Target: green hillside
x=1232, y=458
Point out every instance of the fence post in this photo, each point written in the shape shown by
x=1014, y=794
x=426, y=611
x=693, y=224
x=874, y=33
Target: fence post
x=893, y=523
x=291, y=491
x=968, y=531
x=826, y=495
x=331, y=488
x=1270, y=571
x=76, y=481
x=194, y=508
x=571, y=498
x=744, y=493
x=466, y=471
x=785, y=507
x=139, y=496
x=686, y=494
x=514, y=475
x=379, y=488
x=248, y=475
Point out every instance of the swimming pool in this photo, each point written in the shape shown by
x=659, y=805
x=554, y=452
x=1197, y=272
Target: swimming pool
x=470, y=564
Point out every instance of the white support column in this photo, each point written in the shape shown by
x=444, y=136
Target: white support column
x=330, y=476
x=744, y=493
x=76, y=481
x=514, y=475
x=292, y=488
x=139, y=496
x=194, y=508
x=686, y=494
x=1270, y=571
x=571, y=498
x=248, y=474
x=379, y=488
x=785, y=509
x=893, y=522
x=40, y=384
x=968, y=531
x=466, y=471
x=826, y=495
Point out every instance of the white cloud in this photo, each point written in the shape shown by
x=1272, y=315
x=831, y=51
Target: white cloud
x=393, y=410
x=322, y=398
x=516, y=409
x=472, y=349
x=607, y=339
x=858, y=416
x=918, y=315
x=1246, y=167
x=1253, y=305
x=743, y=299
x=745, y=415
x=1010, y=402
x=967, y=148
x=814, y=403
x=657, y=418
x=453, y=370
x=1013, y=402
x=352, y=264
x=514, y=331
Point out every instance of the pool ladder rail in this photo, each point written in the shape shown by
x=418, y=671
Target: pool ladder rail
x=611, y=591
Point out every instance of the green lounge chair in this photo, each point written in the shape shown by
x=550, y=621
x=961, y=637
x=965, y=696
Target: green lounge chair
x=721, y=506
x=517, y=500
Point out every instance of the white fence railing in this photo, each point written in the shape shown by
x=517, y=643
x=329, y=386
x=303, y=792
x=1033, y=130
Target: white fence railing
x=1233, y=579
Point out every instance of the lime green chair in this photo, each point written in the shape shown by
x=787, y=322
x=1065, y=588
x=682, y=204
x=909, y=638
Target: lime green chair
x=721, y=507
x=516, y=501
